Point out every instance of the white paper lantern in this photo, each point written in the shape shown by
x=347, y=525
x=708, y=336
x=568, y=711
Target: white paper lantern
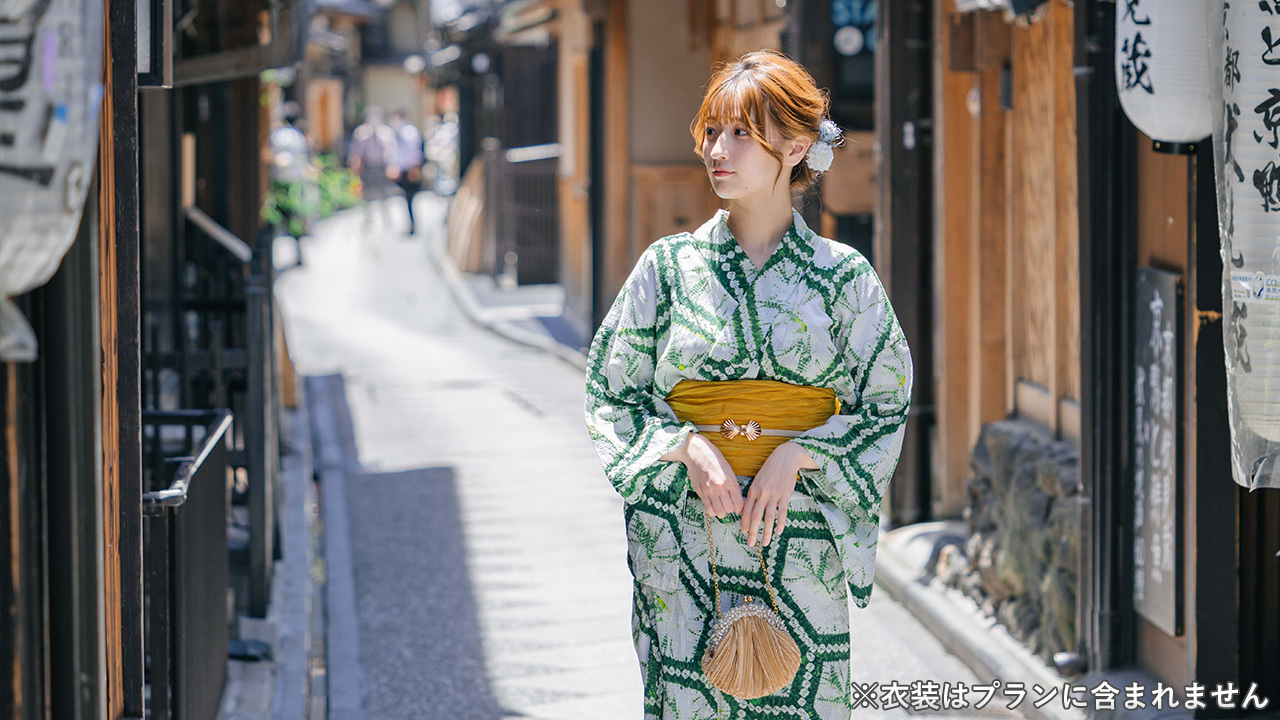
x=50, y=94
x=1246, y=57
x=1162, y=70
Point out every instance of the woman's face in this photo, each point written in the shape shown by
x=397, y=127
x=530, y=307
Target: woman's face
x=740, y=167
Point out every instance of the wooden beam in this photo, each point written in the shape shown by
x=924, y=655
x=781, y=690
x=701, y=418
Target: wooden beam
x=1034, y=220
x=10, y=548
x=128, y=348
x=574, y=46
x=953, y=238
x=988, y=265
x=903, y=253
x=617, y=150
x=1013, y=288
x=1062, y=33
x=109, y=407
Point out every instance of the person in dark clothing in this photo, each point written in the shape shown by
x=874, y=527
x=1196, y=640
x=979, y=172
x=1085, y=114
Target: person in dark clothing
x=410, y=156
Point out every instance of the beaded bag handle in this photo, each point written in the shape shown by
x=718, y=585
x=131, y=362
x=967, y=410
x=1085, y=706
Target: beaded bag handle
x=716, y=576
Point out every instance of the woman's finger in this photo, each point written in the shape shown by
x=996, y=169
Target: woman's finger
x=782, y=517
x=712, y=502
x=770, y=514
x=748, y=506
x=753, y=525
x=726, y=501
x=707, y=508
x=722, y=497
x=734, y=501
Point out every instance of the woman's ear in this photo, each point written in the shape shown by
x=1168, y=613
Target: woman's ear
x=797, y=149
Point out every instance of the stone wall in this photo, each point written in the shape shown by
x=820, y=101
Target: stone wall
x=1020, y=560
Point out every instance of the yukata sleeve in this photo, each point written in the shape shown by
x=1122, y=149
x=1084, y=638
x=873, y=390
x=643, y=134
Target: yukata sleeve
x=630, y=426
x=857, y=449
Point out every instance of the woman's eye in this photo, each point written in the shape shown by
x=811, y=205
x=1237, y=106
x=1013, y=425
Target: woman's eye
x=741, y=130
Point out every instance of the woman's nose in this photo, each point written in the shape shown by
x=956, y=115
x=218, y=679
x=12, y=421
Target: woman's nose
x=718, y=148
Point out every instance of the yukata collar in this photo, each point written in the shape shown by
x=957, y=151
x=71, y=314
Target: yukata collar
x=796, y=246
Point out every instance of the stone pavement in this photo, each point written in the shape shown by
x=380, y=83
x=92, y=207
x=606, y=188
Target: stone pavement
x=487, y=550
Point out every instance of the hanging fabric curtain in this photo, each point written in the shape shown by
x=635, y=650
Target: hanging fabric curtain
x=1245, y=52
x=1161, y=70
x=50, y=92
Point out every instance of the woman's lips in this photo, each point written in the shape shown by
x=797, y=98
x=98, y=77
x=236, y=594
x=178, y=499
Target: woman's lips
x=720, y=173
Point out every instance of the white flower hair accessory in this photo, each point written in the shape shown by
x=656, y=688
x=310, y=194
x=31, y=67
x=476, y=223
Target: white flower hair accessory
x=822, y=153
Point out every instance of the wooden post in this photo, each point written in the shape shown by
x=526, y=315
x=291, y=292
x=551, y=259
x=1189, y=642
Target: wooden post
x=903, y=246
x=1067, y=252
x=573, y=43
x=953, y=238
x=11, y=629
x=617, y=166
x=121, y=383
x=988, y=373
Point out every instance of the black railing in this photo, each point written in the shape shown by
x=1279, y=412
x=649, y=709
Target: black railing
x=523, y=211
x=217, y=351
x=185, y=558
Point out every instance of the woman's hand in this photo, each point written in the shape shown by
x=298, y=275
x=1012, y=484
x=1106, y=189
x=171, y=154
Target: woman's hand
x=710, y=475
x=770, y=491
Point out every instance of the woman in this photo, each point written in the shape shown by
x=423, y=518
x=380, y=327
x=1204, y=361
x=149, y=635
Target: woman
x=753, y=295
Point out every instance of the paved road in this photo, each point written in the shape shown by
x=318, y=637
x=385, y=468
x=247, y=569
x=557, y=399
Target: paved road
x=488, y=550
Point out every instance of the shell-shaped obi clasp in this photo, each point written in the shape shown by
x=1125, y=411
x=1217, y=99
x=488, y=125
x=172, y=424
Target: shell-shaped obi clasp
x=730, y=429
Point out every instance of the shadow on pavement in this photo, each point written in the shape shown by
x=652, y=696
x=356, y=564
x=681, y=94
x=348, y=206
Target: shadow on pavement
x=403, y=630
x=419, y=625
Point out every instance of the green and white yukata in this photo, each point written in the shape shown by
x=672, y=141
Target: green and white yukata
x=696, y=307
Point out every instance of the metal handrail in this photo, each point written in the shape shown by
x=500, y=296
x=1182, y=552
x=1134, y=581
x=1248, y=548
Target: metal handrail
x=224, y=237
x=176, y=494
x=185, y=557
x=529, y=153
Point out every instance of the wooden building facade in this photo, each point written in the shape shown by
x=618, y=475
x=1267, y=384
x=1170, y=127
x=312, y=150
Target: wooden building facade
x=1013, y=212
x=142, y=439
x=1051, y=211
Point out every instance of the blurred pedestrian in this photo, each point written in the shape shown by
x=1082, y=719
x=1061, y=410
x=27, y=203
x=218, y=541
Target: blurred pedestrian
x=409, y=157
x=372, y=156
x=747, y=394
x=294, y=200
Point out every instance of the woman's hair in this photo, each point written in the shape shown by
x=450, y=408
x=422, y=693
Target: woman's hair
x=761, y=85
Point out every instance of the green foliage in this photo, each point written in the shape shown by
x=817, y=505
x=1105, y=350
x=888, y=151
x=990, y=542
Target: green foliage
x=339, y=186
x=292, y=205
x=288, y=205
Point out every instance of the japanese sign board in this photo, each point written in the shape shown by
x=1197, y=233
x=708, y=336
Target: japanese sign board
x=1157, y=449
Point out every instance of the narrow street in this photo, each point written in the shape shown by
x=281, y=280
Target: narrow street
x=488, y=550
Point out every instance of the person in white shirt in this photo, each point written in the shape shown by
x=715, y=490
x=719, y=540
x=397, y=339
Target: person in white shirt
x=295, y=195
x=372, y=155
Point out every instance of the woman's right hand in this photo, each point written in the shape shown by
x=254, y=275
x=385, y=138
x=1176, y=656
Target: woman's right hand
x=711, y=477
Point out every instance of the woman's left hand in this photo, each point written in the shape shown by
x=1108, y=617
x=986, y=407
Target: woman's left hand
x=770, y=492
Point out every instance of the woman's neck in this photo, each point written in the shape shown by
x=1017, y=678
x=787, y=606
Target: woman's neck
x=759, y=225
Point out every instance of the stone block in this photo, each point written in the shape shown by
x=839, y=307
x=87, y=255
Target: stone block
x=1024, y=522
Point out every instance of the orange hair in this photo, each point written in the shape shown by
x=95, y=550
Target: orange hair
x=762, y=87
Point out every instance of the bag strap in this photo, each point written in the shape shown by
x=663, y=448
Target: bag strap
x=716, y=576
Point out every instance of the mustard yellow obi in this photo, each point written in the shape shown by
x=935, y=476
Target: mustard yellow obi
x=748, y=419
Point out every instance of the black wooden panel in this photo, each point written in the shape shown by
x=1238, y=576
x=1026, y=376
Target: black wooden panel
x=1157, y=449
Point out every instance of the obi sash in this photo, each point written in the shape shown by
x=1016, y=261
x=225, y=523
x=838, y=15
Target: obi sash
x=748, y=419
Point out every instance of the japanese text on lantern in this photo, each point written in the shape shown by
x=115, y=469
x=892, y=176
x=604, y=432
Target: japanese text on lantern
x=1136, y=53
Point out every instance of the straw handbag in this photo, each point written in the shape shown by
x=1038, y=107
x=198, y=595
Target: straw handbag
x=750, y=653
